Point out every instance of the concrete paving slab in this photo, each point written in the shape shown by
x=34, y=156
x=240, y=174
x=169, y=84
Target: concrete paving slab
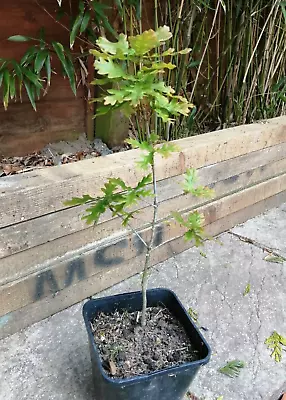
x=50, y=360
x=268, y=230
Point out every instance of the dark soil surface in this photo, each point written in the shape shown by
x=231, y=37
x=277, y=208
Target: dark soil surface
x=126, y=349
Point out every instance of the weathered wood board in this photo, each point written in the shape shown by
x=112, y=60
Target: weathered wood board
x=49, y=257
x=106, y=254
x=89, y=175
x=224, y=177
x=60, y=115
x=53, y=303
x=31, y=234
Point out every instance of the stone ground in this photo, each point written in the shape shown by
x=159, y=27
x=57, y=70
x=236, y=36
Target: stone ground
x=50, y=360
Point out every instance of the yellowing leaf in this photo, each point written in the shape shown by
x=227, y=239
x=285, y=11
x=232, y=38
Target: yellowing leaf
x=145, y=42
x=163, y=33
x=168, y=52
x=185, y=51
x=159, y=66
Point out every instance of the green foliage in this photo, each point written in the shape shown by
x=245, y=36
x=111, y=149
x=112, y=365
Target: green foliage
x=117, y=197
x=27, y=73
x=34, y=72
x=128, y=65
x=194, y=226
x=247, y=289
x=232, y=368
x=190, y=181
x=141, y=88
x=276, y=343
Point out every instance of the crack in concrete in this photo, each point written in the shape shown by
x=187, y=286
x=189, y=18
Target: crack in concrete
x=253, y=242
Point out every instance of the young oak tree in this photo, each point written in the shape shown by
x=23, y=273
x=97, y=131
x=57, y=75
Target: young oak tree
x=132, y=70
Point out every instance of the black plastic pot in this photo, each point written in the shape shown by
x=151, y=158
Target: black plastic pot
x=168, y=384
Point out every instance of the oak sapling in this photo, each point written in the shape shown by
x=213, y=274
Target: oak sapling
x=133, y=68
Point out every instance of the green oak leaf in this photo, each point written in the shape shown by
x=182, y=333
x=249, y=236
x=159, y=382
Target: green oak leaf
x=116, y=96
x=119, y=48
x=109, y=68
x=77, y=201
x=167, y=149
x=190, y=179
x=146, y=161
x=232, y=368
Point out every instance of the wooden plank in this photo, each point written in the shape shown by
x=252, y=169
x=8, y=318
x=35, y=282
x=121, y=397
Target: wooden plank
x=56, y=278
x=19, y=265
x=60, y=115
x=29, y=234
x=27, y=315
x=197, y=151
x=37, y=178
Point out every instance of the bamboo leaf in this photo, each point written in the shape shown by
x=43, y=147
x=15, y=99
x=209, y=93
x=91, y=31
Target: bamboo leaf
x=66, y=63
x=1, y=77
x=85, y=21
x=19, y=38
x=48, y=69
x=18, y=70
x=12, y=87
x=6, y=88
x=30, y=94
x=75, y=29
x=40, y=60
x=35, y=79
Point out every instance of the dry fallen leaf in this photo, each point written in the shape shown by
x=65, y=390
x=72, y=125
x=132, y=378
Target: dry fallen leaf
x=10, y=169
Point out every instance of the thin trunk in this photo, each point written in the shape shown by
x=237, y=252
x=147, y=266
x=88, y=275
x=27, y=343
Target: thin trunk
x=150, y=247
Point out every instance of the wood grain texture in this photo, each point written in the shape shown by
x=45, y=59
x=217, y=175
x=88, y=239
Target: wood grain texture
x=122, y=247
x=225, y=178
x=89, y=175
x=27, y=315
x=60, y=115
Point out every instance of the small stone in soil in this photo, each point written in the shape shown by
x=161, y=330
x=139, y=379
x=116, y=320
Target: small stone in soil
x=163, y=343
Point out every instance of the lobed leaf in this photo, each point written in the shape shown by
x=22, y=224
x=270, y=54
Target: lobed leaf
x=119, y=48
x=232, y=368
x=77, y=201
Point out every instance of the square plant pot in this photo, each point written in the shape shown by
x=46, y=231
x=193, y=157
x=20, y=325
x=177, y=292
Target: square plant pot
x=167, y=384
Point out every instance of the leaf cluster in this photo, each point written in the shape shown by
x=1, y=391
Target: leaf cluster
x=117, y=197
x=277, y=343
x=232, y=368
x=134, y=68
x=34, y=71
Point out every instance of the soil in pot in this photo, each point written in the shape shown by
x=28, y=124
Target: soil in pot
x=126, y=349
